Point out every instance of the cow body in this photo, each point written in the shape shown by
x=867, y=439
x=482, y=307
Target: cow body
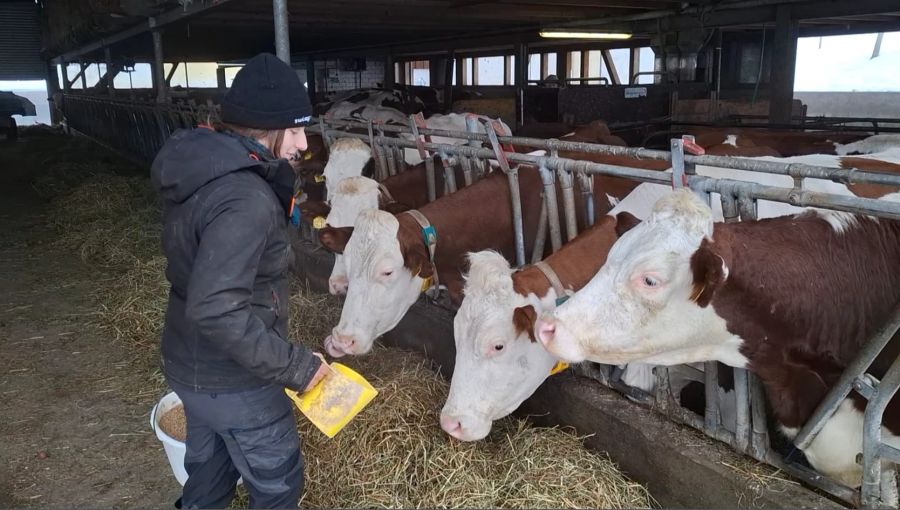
x=792, y=299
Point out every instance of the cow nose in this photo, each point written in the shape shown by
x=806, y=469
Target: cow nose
x=338, y=286
x=451, y=425
x=339, y=345
x=546, y=331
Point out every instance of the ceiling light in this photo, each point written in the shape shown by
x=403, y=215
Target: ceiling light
x=564, y=34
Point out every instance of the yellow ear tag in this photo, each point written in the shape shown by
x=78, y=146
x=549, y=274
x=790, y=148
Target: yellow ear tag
x=558, y=367
x=426, y=284
x=318, y=222
x=319, y=178
x=307, y=156
x=336, y=400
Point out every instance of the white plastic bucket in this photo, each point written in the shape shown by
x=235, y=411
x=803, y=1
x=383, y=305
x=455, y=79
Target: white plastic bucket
x=174, y=449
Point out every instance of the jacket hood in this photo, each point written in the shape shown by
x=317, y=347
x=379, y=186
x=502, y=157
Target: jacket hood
x=192, y=158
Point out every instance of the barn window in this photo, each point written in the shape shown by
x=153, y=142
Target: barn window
x=418, y=73
x=489, y=70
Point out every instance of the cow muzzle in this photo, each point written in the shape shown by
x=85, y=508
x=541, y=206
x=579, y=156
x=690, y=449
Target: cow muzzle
x=465, y=428
x=338, y=285
x=338, y=345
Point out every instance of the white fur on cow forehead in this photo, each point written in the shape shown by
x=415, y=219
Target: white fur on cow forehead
x=349, y=144
x=683, y=209
x=374, y=238
x=352, y=196
x=489, y=272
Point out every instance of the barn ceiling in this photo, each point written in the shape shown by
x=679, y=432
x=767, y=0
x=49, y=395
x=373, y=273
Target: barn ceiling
x=237, y=29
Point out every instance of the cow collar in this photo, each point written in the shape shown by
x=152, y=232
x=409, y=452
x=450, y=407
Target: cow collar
x=429, y=236
x=561, y=293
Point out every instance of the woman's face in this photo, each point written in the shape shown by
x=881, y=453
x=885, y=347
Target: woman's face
x=294, y=142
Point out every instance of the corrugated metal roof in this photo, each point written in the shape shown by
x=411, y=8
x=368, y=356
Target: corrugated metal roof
x=20, y=41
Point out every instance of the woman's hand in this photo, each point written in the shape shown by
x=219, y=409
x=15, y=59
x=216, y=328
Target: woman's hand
x=323, y=371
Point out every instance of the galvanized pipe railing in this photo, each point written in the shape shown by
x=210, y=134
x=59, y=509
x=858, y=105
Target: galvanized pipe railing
x=799, y=198
x=800, y=170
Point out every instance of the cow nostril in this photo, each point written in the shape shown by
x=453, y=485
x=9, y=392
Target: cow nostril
x=451, y=424
x=546, y=332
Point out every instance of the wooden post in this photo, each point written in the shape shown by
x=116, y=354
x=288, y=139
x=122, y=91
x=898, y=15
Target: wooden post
x=783, y=65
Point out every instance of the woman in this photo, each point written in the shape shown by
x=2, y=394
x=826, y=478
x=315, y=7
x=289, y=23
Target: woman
x=225, y=351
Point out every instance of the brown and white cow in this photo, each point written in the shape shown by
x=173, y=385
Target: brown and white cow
x=500, y=306
x=792, y=299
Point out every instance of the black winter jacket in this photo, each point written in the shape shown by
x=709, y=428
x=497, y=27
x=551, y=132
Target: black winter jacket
x=225, y=238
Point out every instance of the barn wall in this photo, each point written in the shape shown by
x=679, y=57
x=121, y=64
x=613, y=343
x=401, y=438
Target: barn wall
x=851, y=104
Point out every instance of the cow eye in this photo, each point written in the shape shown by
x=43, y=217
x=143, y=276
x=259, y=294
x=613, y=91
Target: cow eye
x=498, y=347
x=387, y=273
x=650, y=281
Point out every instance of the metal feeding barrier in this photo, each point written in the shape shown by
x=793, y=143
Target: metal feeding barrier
x=739, y=202
x=139, y=129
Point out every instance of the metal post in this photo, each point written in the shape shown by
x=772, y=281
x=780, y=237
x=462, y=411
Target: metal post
x=449, y=173
x=784, y=59
x=711, y=385
x=52, y=89
x=221, y=82
x=311, y=79
x=110, y=86
x=566, y=184
x=521, y=81
x=586, y=183
x=742, y=410
x=282, y=31
x=159, y=80
x=759, y=441
x=514, y=193
x=551, y=207
x=540, y=238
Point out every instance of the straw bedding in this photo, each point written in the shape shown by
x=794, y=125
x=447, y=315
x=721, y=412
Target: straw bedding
x=393, y=454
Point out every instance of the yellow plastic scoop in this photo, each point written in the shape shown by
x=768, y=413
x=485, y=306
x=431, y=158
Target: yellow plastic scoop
x=336, y=400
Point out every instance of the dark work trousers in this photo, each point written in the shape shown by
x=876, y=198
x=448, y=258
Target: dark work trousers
x=250, y=434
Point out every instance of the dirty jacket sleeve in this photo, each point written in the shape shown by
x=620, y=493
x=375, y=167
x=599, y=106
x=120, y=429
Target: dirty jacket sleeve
x=221, y=287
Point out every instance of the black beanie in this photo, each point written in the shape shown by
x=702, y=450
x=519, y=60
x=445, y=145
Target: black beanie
x=266, y=94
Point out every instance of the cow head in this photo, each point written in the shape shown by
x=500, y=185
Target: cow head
x=348, y=158
x=385, y=266
x=498, y=365
x=352, y=196
x=650, y=300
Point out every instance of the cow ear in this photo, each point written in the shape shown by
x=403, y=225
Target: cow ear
x=625, y=221
x=335, y=238
x=524, y=318
x=709, y=271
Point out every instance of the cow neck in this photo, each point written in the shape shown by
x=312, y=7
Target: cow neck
x=429, y=239
x=803, y=318
x=574, y=264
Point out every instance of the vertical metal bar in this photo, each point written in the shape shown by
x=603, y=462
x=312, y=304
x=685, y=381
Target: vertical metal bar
x=449, y=173
x=586, y=183
x=540, y=239
x=469, y=163
x=391, y=160
x=158, y=73
x=110, y=86
x=748, y=208
x=430, y=179
x=282, y=31
x=759, y=442
x=566, y=185
x=380, y=168
x=711, y=384
x=83, y=77
x=679, y=179
x=401, y=159
x=884, y=391
x=551, y=207
x=729, y=208
x=514, y=193
x=742, y=410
